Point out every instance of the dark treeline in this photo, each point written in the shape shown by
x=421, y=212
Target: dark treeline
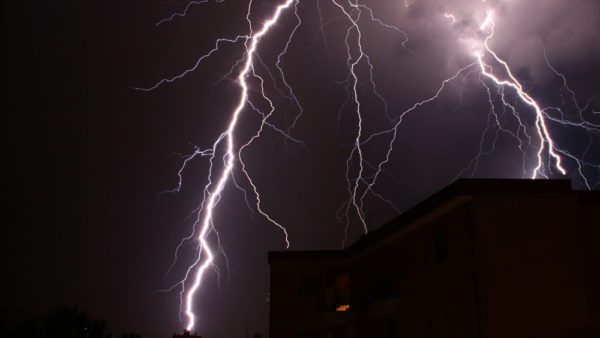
x=61, y=322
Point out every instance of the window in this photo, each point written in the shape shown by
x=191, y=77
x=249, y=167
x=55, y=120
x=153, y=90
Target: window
x=402, y=262
x=425, y=247
x=441, y=245
x=308, y=286
x=381, y=277
x=428, y=329
x=390, y=329
x=337, y=291
x=342, y=291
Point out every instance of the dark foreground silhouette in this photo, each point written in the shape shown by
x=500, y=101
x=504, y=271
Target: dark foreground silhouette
x=61, y=322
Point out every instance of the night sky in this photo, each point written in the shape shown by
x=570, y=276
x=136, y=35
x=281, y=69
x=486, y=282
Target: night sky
x=88, y=156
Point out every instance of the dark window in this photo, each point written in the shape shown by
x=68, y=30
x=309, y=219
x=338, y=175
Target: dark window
x=402, y=262
x=337, y=290
x=339, y=332
x=390, y=329
x=381, y=278
x=428, y=327
x=309, y=335
x=342, y=289
x=425, y=251
x=377, y=283
x=441, y=245
x=308, y=286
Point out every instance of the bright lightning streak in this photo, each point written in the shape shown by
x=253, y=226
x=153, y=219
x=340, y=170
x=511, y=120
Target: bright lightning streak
x=356, y=199
x=357, y=146
x=190, y=70
x=230, y=161
x=185, y=11
x=546, y=145
x=451, y=17
x=542, y=128
x=213, y=193
x=361, y=173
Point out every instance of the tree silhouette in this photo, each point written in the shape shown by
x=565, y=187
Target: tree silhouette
x=62, y=322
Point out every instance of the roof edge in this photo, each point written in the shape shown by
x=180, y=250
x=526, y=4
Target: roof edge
x=458, y=188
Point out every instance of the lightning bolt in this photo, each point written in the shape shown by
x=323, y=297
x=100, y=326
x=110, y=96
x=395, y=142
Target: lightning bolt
x=215, y=193
x=185, y=11
x=503, y=90
x=547, y=145
x=226, y=140
x=512, y=82
x=354, y=183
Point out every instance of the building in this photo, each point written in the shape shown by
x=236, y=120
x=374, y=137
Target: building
x=480, y=258
x=186, y=334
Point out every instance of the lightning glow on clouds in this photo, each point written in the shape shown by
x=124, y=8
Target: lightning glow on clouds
x=511, y=108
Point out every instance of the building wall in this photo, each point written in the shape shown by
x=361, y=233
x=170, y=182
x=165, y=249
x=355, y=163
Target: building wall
x=530, y=265
x=588, y=217
x=419, y=284
x=302, y=294
x=490, y=266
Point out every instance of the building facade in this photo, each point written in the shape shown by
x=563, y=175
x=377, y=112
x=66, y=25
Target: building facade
x=481, y=258
x=186, y=334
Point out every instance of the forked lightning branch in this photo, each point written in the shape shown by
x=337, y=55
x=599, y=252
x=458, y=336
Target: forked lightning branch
x=492, y=72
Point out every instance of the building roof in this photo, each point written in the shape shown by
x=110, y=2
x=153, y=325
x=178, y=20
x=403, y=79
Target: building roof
x=457, y=189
